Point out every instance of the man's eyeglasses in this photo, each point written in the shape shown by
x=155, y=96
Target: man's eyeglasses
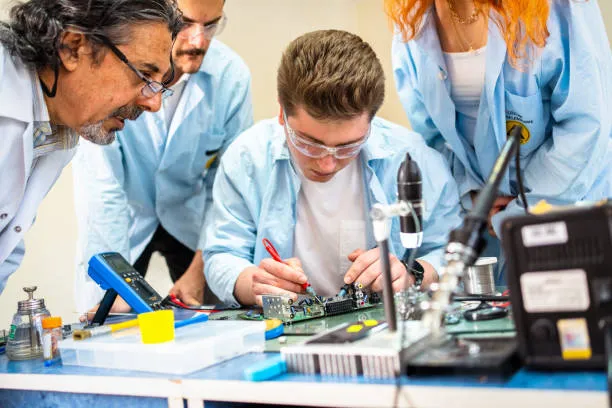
x=318, y=150
x=209, y=30
x=151, y=87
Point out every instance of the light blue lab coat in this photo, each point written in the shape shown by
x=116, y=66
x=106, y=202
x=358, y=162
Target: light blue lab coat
x=152, y=175
x=256, y=189
x=563, y=99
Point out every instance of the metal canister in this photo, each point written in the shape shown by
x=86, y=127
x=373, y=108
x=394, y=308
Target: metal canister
x=479, y=279
x=25, y=336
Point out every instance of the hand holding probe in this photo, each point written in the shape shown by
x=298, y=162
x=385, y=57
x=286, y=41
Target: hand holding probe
x=274, y=254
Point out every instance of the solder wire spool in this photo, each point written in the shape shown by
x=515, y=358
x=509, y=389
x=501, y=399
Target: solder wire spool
x=479, y=279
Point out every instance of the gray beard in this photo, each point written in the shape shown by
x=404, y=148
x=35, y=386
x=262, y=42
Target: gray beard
x=95, y=133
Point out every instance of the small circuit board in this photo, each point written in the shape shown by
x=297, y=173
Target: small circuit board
x=350, y=298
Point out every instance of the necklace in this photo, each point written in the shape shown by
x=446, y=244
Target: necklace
x=456, y=17
x=469, y=47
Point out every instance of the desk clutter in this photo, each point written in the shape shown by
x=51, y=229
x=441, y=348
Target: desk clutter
x=347, y=336
x=194, y=347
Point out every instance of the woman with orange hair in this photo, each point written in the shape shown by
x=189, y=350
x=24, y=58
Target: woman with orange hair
x=469, y=70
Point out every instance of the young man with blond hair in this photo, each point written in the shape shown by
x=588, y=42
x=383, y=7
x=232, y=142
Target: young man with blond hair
x=307, y=180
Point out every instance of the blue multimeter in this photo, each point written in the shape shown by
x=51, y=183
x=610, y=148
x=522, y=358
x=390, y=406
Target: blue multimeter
x=112, y=271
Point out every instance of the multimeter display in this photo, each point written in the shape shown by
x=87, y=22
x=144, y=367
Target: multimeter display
x=110, y=270
x=118, y=263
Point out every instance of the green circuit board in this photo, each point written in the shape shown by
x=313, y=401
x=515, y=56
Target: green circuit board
x=300, y=315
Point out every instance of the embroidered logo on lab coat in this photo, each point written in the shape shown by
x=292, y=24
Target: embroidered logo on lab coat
x=525, y=135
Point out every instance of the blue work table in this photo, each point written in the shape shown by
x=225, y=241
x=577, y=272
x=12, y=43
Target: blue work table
x=30, y=384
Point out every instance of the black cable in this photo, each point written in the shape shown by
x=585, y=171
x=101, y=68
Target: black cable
x=482, y=298
x=606, y=326
x=479, y=332
x=519, y=178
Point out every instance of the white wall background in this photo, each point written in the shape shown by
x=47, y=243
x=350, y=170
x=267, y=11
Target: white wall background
x=258, y=30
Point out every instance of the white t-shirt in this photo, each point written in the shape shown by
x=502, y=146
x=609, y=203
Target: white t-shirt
x=330, y=225
x=466, y=71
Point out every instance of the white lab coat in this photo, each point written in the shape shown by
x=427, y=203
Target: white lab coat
x=24, y=182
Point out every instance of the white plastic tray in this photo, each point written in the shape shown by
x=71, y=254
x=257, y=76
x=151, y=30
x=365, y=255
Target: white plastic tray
x=194, y=347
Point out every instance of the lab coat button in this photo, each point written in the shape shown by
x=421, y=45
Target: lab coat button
x=3, y=216
x=17, y=228
x=442, y=75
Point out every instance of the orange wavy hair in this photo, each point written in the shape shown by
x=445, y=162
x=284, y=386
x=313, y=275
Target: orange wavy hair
x=522, y=23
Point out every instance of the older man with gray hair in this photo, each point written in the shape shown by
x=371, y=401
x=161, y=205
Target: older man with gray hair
x=71, y=68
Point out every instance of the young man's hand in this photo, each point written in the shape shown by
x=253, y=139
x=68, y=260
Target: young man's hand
x=270, y=278
x=367, y=270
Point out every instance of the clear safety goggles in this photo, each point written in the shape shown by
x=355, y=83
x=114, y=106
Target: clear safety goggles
x=318, y=150
x=209, y=30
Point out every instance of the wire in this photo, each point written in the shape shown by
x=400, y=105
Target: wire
x=519, y=178
x=481, y=298
x=176, y=302
x=607, y=329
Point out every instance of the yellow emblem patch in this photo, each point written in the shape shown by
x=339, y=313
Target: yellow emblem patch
x=525, y=135
x=211, y=161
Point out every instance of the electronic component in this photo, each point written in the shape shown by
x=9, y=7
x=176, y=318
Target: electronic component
x=407, y=303
x=495, y=356
x=351, y=297
x=353, y=291
x=363, y=348
x=337, y=306
x=347, y=333
x=277, y=307
x=283, y=308
x=485, y=311
x=560, y=284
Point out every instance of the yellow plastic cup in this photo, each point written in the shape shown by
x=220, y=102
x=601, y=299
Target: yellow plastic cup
x=156, y=327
